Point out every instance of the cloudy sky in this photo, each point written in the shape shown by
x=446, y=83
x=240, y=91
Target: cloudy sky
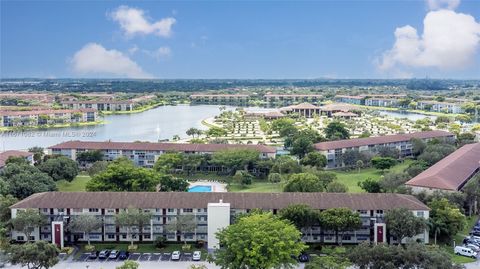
x=240, y=39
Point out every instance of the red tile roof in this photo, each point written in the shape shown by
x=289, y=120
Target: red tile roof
x=94, y=145
x=99, y=102
x=12, y=153
x=358, y=142
x=113, y=200
x=219, y=95
x=452, y=172
x=293, y=95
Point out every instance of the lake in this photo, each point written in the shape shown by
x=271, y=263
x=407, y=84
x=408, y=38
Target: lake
x=159, y=123
x=405, y=114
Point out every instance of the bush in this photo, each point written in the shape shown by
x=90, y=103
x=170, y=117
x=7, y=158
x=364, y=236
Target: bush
x=67, y=250
x=132, y=247
x=274, y=177
x=186, y=247
x=160, y=242
x=89, y=247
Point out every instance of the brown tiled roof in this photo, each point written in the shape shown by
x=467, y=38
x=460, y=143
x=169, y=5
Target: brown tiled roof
x=44, y=112
x=359, y=97
x=98, y=102
x=95, y=145
x=358, y=142
x=356, y=201
x=12, y=153
x=452, y=172
x=293, y=95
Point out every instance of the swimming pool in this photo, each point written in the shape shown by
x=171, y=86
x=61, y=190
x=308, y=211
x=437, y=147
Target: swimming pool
x=200, y=188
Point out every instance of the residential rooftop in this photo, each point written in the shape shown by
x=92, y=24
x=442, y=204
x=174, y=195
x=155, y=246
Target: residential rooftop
x=354, y=201
x=12, y=153
x=43, y=112
x=96, y=145
x=452, y=172
x=358, y=142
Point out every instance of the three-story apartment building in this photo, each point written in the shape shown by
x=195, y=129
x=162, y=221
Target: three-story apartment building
x=220, y=99
x=45, y=117
x=211, y=211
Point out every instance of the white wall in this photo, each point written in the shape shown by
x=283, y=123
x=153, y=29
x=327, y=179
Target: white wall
x=218, y=218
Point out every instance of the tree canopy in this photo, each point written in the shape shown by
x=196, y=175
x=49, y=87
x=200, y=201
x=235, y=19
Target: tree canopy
x=303, y=182
x=336, y=130
x=36, y=255
x=340, y=220
x=401, y=223
x=235, y=159
x=270, y=243
x=60, y=168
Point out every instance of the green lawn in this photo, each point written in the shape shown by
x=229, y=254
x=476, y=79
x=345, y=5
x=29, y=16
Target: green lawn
x=257, y=186
x=351, y=178
x=78, y=184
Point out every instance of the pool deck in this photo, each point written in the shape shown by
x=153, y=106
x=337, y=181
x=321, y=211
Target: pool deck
x=216, y=186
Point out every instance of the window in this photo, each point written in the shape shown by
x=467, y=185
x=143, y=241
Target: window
x=420, y=214
x=77, y=210
x=111, y=236
x=171, y=210
x=111, y=210
x=363, y=212
x=93, y=210
x=147, y=236
x=187, y=210
x=124, y=236
x=20, y=238
x=61, y=210
x=379, y=211
x=45, y=210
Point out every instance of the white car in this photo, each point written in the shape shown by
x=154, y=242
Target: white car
x=464, y=251
x=176, y=255
x=197, y=255
x=113, y=254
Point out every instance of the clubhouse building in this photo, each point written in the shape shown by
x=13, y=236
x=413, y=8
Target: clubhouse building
x=145, y=154
x=211, y=212
x=333, y=150
x=451, y=173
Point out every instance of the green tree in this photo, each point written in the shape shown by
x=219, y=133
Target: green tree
x=359, y=164
x=168, y=162
x=418, y=146
x=235, y=159
x=336, y=130
x=301, y=146
x=336, y=186
x=182, y=224
x=133, y=220
x=123, y=175
x=472, y=194
x=446, y=218
x=60, y=168
x=315, y=159
x=328, y=262
x=18, y=160
x=36, y=255
x=243, y=177
x=27, y=220
x=392, y=181
x=38, y=153
x=303, y=182
x=350, y=157
x=193, y=131
x=401, y=223
x=25, y=180
x=340, y=220
x=90, y=156
x=97, y=168
x=286, y=165
x=301, y=215
x=435, y=152
x=383, y=163
x=284, y=126
x=370, y=185
x=171, y=183
x=416, y=167
x=129, y=265
x=216, y=132
x=85, y=224
x=271, y=242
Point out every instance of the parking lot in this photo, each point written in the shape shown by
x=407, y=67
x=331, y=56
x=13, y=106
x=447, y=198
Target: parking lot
x=139, y=257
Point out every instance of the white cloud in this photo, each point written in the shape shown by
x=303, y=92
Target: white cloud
x=449, y=40
x=134, y=21
x=94, y=59
x=442, y=4
x=133, y=49
x=160, y=53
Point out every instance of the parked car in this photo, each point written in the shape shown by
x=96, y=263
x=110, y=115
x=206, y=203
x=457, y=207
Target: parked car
x=176, y=255
x=104, y=254
x=475, y=233
x=459, y=250
x=123, y=255
x=93, y=255
x=197, y=255
x=113, y=254
x=473, y=247
x=304, y=257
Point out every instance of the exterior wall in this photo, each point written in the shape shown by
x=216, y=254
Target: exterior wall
x=52, y=118
x=208, y=221
x=381, y=102
x=240, y=100
x=286, y=100
x=101, y=106
x=350, y=100
x=144, y=158
x=440, y=107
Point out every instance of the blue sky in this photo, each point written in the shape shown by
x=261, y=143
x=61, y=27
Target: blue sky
x=240, y=39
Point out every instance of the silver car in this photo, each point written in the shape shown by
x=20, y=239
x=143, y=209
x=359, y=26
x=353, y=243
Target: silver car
x=197, y=255
x=176, y=255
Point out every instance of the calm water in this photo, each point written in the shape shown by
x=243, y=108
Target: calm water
x=160, y=123
x=200, y=188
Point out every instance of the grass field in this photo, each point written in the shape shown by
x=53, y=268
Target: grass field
x=78, y=184
x=351, y=178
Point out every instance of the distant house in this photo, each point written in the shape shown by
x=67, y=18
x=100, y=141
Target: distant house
x=15, y=153
x=220, y=99
x=291, y=99
x=333, y=150
x=356, y=100
x=451, y=173
x=101, y=105
x=144, y=153
x=43, y=117
x=445, y=107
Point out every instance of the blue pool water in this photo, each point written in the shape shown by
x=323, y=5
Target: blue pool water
x=200, y=189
